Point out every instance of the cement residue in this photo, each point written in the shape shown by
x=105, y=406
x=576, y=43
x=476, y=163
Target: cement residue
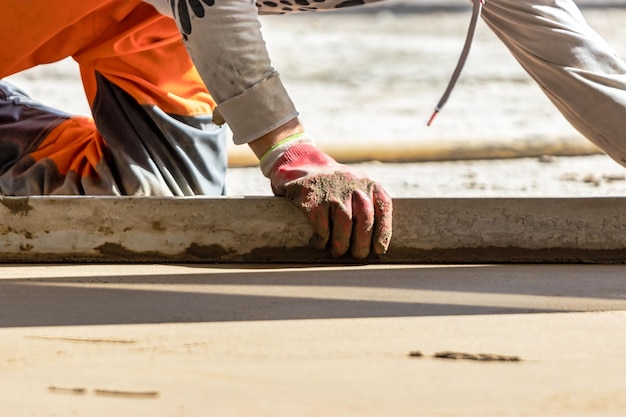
x=17, y=205
x=512, y=255
x=195, y=252
x=115, y=251
x=310, y=193
x=481, y=357
x=111, y=252
x=26, y=247
x=213, y=252
x=103, y=392
x=326, y=187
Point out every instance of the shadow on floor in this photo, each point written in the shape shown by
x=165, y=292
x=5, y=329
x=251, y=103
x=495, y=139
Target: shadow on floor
x=217, y=294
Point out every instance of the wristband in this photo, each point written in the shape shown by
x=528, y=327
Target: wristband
x=273, y=154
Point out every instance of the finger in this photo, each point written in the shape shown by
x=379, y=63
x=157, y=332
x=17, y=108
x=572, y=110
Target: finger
x=363, y=224
x=341, y=230
x=319, y=218
x=317, y=213
x=383, y=213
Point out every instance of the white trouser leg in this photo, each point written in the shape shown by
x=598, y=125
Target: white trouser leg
x=574, y=66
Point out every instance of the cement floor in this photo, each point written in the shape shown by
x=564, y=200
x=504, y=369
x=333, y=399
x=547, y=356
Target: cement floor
x=167, y=340
x=171, y=340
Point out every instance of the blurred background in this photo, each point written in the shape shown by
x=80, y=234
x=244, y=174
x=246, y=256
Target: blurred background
x=366, y=79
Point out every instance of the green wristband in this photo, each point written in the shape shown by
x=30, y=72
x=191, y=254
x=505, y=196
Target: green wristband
x=270, y=157
x=282, y=142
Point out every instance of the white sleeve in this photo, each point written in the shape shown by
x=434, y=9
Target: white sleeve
x=163, y=6
x=224, y=40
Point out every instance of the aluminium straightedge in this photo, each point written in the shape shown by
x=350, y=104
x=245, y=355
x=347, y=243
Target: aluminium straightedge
x=271, y=230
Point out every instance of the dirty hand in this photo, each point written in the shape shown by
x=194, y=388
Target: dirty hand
x=347, y=210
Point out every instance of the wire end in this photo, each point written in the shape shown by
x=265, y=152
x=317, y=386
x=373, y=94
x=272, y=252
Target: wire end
x=432, y=118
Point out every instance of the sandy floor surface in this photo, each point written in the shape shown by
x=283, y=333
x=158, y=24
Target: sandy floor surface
x=193, y=341
x=246, y=340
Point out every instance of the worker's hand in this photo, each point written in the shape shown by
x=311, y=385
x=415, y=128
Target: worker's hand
x=347, y=210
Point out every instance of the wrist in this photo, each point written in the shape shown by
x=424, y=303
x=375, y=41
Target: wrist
x=261, y=145
x=278, y=150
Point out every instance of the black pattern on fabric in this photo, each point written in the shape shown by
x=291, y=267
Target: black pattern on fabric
x=289, y=6
x=181, y=8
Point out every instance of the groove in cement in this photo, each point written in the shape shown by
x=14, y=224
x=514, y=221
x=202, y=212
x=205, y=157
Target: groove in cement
x=269, y=229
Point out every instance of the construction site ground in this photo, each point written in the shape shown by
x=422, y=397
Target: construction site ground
x=246, y=340
x=251, y=340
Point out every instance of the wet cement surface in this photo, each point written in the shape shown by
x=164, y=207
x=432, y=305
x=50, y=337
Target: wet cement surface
x=174, y=340
x=265, y=341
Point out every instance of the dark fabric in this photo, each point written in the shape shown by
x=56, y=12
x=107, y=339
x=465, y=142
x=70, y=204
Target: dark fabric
x=153, y=153
x=24, y=123
x=147, y=152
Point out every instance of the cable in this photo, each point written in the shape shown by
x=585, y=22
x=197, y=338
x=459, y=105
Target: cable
x=476, y=11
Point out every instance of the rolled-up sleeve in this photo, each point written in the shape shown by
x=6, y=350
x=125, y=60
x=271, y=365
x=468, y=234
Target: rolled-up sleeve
x=224, y=40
